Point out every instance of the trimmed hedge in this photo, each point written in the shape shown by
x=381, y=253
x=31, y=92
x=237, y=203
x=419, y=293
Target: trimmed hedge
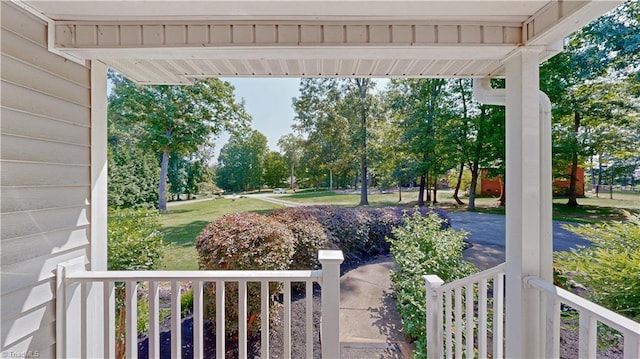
x=290, y=238
x=243, y=241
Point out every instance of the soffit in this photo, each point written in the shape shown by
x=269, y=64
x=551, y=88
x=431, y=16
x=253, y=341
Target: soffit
x=177, y=41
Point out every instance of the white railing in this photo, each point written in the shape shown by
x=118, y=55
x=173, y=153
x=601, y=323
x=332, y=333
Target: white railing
x=72, y=310
x=590, y=314
x=459, y=321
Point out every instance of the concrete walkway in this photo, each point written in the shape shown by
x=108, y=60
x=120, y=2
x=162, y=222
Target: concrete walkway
x=370, y=326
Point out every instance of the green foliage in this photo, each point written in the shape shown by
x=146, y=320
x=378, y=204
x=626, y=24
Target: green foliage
x=134, y=239
x=609, y=268
x=276, y=170
x=423, y=247
x=186, y=302
x=177, y=120
x=133, y=178
x=309, y=236
x=241, y=162
x=243, y=241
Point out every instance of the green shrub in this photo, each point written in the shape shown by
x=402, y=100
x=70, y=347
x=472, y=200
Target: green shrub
x=186, y=302
x=243, y=241
x=134, y=242
x=344, y=227
x=610, y=269
x=422, y=246
x=134, y=239
x=309, y=237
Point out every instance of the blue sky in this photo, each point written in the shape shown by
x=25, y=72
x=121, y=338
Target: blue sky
x=268, y=101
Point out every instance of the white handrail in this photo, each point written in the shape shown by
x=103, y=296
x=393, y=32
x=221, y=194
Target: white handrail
x=473, y=278
x=72, y=326
x=230, y=275
x=604, y=315
x=589, y=315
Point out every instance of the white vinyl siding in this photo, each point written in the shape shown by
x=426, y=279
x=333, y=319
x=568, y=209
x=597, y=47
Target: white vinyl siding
x=45, y=178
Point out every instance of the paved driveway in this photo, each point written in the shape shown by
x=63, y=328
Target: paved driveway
x=487, y=234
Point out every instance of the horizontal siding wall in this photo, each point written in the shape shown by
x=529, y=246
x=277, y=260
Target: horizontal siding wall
x=45, y=178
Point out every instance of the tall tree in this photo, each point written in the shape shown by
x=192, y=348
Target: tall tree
x=291, y=147
x=174, y=119
x=422, y=106
x=362, y=86
x=603, y=51
x=275, y=169
x=323, y=120
x=241, y=162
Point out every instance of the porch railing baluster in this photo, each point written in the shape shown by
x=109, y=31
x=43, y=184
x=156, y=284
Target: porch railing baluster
x=198, y=319
x=131, y=306
x=176, y=321
x=468, y=322
x=72, y=276
x=264, y=317
x=154, y=319
x=242, y=319
x=220, y=314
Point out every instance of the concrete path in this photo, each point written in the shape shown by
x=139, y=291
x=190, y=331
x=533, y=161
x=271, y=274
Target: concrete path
x=370, y=325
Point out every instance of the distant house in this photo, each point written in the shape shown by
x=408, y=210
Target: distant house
x=492, y=186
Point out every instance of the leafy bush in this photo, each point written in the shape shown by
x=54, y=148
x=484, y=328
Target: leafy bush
x=243, y=241
x=134, y=239
x=309, y=237
x=133, y=178
x=609, y=269
x=356, y=231
x=344, y=228
x=424, y=245
x=134, y=242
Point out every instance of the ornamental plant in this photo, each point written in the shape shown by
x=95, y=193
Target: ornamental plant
x=243, y=241
x=424, y=245
x=610, y=268
x=309, y=237
x=134, y=242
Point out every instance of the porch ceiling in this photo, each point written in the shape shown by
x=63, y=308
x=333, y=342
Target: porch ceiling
x=177, y=41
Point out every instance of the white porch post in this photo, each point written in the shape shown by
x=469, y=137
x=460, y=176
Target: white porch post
x=528, y=163
x=99, y=324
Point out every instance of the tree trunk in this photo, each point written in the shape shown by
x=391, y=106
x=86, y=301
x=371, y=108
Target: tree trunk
x=573, y=197
x=399, y=192
x=162, y=187
x=458, y=183
x=503, y=193
x=472, y=186
x=330, y=180
x=435, y=190
x=427, y=178
x=421, y=191
x=362, y=86
x=291, y=176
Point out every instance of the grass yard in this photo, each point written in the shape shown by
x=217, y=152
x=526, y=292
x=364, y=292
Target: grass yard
x=184, y=223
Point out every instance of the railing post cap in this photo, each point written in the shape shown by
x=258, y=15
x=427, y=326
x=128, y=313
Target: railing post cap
x=433, y=280
x=330, y=256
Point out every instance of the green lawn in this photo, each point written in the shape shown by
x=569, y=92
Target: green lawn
x=183, y=223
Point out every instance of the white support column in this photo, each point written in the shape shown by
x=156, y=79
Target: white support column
x=330, y=302
x=98, y=166
x=526, y=220
x=99, y=338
